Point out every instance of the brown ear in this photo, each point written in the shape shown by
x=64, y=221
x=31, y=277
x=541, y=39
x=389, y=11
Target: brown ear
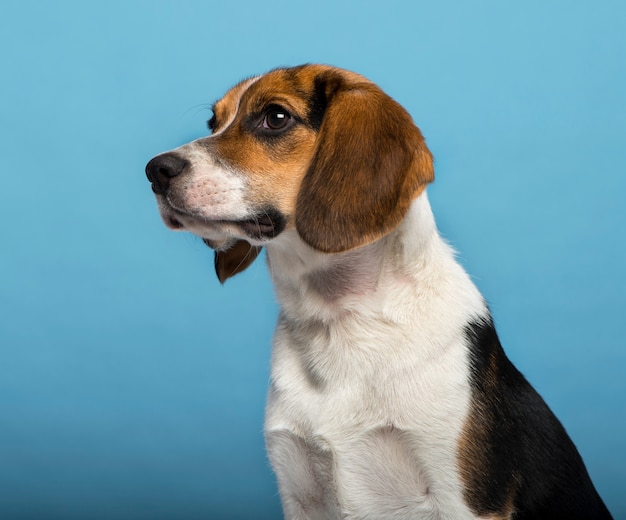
x=370, y=162
x=232, y=261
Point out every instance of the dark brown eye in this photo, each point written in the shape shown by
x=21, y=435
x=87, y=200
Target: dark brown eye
x=276, y=119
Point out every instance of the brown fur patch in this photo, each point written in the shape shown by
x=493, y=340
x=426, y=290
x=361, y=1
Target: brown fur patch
x=370, y=162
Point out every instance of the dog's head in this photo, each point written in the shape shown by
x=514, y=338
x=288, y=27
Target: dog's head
x=315, y=148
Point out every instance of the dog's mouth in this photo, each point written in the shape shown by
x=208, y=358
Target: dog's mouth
x=263, y=225
x=172, y=222
x=266, y=224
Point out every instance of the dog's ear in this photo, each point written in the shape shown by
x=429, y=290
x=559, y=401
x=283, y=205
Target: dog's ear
x=370, y=162
x=235, y=259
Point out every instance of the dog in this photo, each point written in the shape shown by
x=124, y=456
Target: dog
x=390, y=395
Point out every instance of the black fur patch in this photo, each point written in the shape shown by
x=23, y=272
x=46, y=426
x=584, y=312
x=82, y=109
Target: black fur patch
x=520, y=456
x=324, y=87
x=317, y=104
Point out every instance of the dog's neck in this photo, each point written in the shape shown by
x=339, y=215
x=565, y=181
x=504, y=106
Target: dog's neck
x=358, y=281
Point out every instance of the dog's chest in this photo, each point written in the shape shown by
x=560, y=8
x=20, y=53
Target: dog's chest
x=378, y=473
x=366, y=427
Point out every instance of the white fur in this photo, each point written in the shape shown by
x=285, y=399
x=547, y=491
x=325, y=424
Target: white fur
x=370, y=384
x=245, y=85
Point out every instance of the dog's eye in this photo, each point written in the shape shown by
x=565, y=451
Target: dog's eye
x=276, y=119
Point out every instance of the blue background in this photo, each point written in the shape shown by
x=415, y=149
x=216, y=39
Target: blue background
x=131, y=384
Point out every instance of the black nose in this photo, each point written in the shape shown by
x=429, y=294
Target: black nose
x=162, y=168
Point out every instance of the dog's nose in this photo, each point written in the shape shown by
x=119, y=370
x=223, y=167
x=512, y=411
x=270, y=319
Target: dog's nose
x=162, y=168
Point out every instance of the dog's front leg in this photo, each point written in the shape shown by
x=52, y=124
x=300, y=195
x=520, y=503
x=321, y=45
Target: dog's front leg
x=304, y=469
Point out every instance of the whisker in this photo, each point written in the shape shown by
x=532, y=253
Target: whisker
x=198, y=108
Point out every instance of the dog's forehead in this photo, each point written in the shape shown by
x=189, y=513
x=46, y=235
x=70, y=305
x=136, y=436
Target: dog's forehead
x=293, y=86
x=255, y=93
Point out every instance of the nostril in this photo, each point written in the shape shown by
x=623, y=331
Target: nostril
x=162, y=168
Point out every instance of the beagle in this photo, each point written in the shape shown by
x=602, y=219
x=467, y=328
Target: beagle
x=390, y=394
